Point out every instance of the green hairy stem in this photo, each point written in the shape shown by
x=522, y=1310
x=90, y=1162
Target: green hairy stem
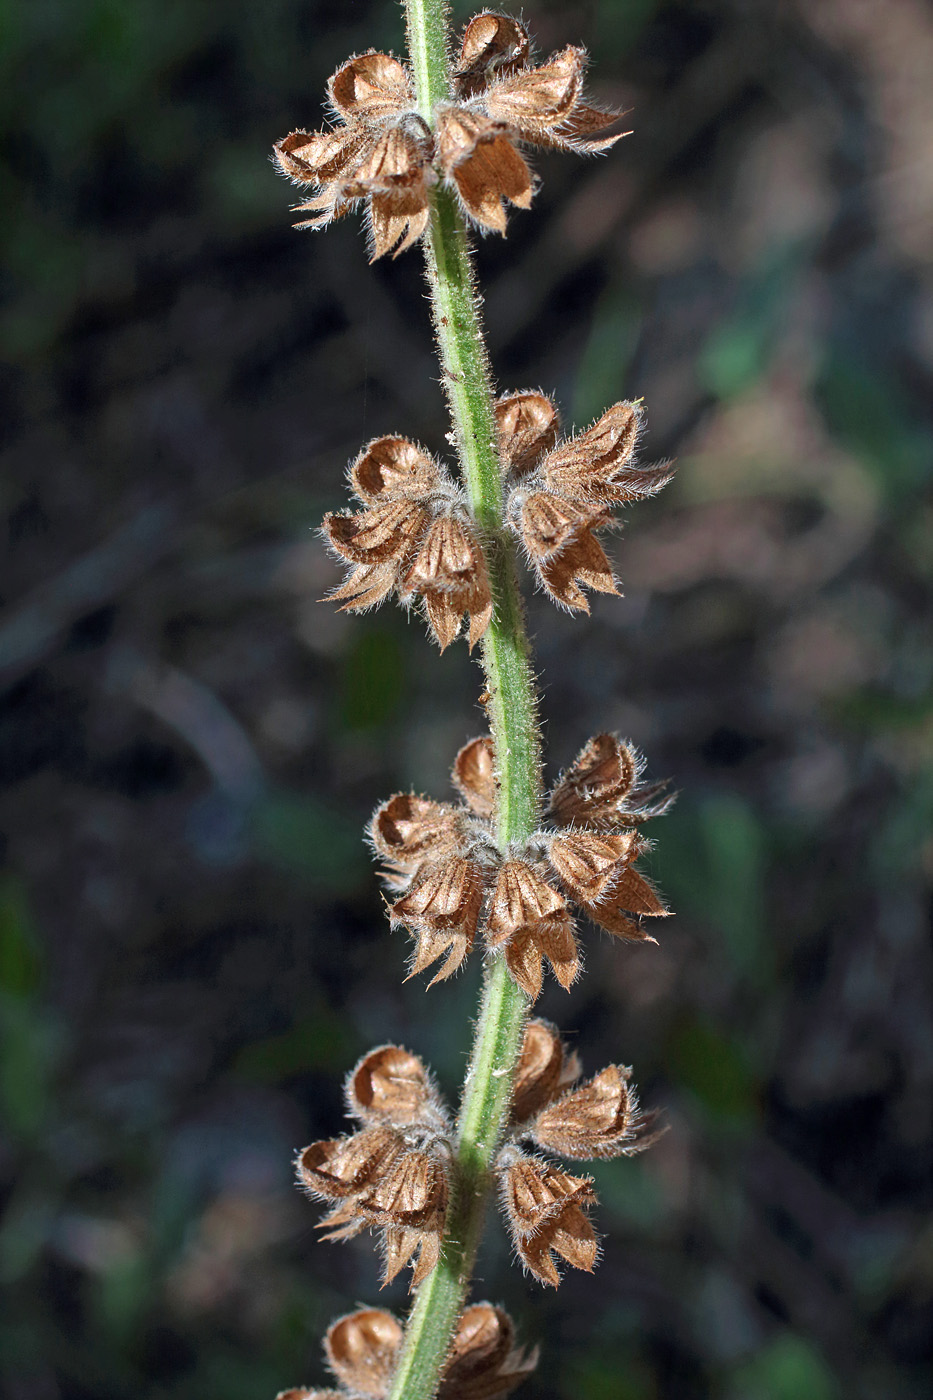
x=512, y=713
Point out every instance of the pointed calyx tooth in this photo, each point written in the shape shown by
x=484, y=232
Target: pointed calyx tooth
x=474, y=776
x=391, y=1085
x=597, y=1119
x=483, y=1361
x=552, y=939
x=493, y=46
x=362, y=1350
x=545, y=1210
x=371, y=87
x=629, y=894
x=528, y=424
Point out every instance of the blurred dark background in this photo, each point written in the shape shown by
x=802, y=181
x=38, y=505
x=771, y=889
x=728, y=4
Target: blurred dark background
x=192, y=949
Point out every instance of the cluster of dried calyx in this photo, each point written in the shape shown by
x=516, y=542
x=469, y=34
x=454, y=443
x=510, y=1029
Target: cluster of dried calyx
x=415, y=535
x=450, y=879
x=362, y=1350
x=562, y=492
x=383, y=151
x=393, y=1173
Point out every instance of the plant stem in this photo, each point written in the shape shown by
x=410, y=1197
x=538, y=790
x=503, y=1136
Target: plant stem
x=512, y=708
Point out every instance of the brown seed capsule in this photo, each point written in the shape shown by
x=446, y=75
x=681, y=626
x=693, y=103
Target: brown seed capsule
x=320, y=157
x=588, y=862
x=544, y=1207
x=410, y=1190
x=522, y=899
x=493, y=46
x=390, y=1085
x=540, y=1070
x=450, y=572
x=548, y=523
x=483, y=1362
x=531, y=918
x=409, y=830
x=392, y=467
x=600, y=789
x=535, y=102
x=342, y=1167
x=371, y=87
x=598, y=1119
x=582, y=563
x=584, y=466
x=528, y=424
x=474, y=776
x=478, y=154
x=389, y=531
x=302, y=1394
x=448, y=559
x=362, y=1349
x=442, y=908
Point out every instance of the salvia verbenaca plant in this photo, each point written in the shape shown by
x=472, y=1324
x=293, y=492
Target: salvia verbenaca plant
x=428, y=148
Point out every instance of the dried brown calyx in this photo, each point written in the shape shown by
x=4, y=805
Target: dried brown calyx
x=378, y=153
x=544, y=1206
x=562, y=493
x=362, y=1351
x=391, y=1175
x=413, y=537
x=596, y=1119
x=450, y=880
x=383, y=154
